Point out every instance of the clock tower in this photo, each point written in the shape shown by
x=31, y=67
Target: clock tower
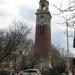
x=43, y=30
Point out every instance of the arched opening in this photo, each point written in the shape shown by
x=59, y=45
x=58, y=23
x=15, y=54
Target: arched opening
x=43, y=7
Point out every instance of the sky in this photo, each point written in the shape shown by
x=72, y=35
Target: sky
x=26, y=9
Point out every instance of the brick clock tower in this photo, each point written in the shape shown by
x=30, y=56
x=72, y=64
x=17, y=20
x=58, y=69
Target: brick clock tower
x=43, y=30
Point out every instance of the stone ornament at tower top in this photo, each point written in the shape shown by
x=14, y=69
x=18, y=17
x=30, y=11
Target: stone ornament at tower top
x=44, y=5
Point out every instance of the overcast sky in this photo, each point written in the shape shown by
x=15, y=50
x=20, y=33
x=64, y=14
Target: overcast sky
x=26, y=9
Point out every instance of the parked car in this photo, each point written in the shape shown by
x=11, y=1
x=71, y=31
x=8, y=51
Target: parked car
x=5, y=72
x=20, y=73
x=32, y=72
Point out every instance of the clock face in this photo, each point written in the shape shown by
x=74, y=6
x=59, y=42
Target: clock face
x=42, y=19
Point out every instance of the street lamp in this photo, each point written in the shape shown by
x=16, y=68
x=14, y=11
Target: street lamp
x=74, y=39
x=67, y=47
x=67, y=24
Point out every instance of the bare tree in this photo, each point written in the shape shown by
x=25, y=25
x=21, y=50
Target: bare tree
x=16, y=38
x=57, y=60
x=68, y=13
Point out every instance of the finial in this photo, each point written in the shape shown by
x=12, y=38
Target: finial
x=42, y=0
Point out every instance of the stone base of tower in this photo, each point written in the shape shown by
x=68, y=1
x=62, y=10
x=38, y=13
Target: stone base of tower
x=43, y=65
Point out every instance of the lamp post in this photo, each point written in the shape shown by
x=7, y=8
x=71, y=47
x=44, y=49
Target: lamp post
x=67, y=48
x=74, y=39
